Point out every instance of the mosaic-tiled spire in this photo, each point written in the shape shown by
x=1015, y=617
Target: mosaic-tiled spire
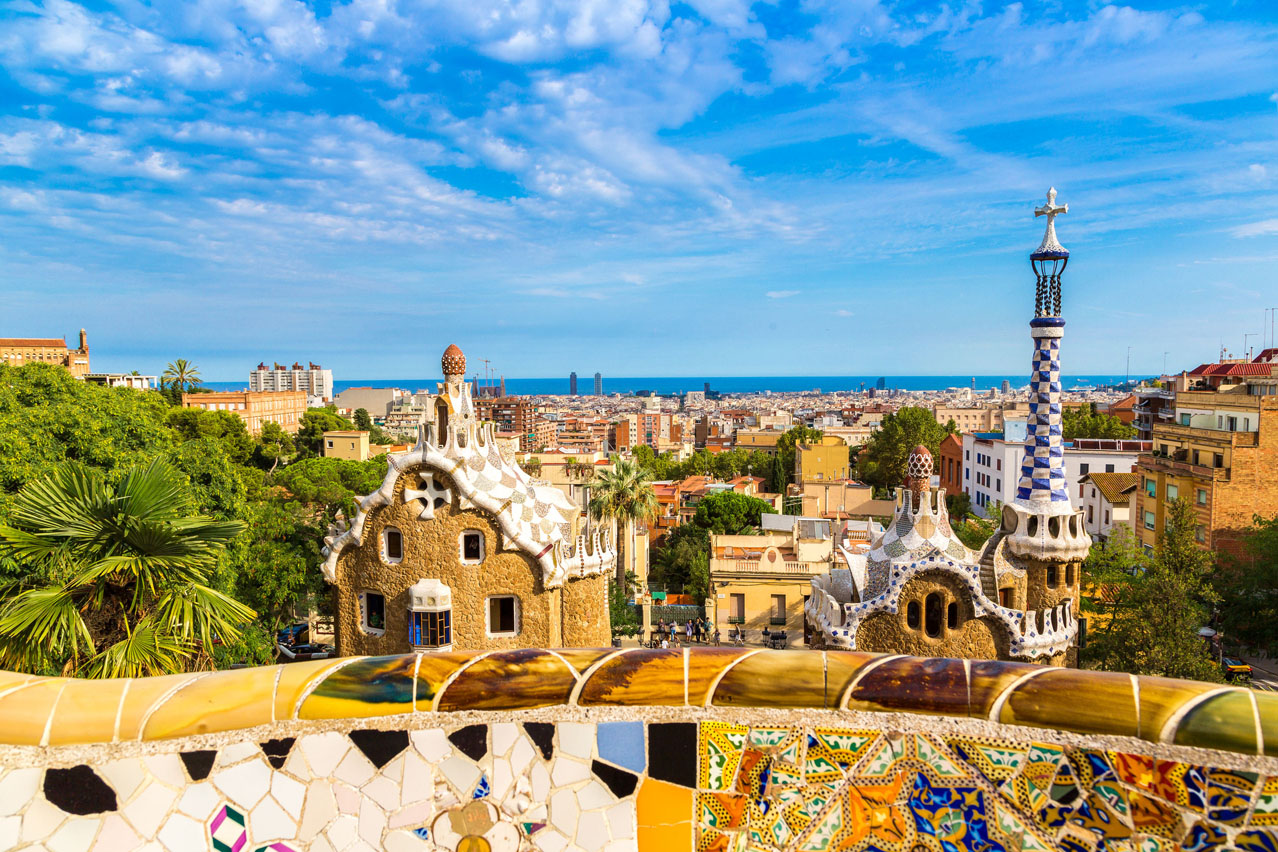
x=1042, y=485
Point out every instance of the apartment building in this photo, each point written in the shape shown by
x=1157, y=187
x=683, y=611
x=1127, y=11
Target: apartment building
x=823, y=462
x=346, y=444
x=758, y=439
x=1218, y=449
x=515, y=415
x=649, y=427
x=970, y=419
x=17, y=351
x=283, y=407
x=1107, y=502
x=313, y=379
x=949, y=464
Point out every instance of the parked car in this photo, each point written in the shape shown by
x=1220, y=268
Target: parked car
x=293, y=644
x=1235, y=669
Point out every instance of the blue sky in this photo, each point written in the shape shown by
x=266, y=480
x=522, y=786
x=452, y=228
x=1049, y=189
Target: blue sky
x=643, y=188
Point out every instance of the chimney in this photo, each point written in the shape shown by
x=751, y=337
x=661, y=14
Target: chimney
x=84, y=340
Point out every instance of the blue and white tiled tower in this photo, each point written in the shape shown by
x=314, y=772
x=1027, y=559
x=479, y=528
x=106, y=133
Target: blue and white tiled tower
x=1042, y=523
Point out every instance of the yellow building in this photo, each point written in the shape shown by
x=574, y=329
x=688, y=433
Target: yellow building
x=760, y=582
x=254, y=408
x=822, y=462
x=17, y=351
x=758, y=439
x=341, y=444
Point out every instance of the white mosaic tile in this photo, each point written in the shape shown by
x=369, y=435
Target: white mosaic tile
x=412, y=816
x=244, y=784
x=343, y=832
x=149, y=808
x=417, y=784
x=321, y=844
x=40, y=820
x=319, y=810
x=372, y=822
x=116, y=834
x=166, y=768
x=592, y=832
x=540, y=778
x=233, y=754
x=75, y=835
x=10, y=829
x=17, y=788
x=182, y=832
x=347, y=797
x=383, y=791
x=268, y=821
x=621, y=820
x=199, y=800
x=404, y=841
x=594, y=796
x=504, y=736
x=323, y=751
x=522, y=755
x=125, y=777
x=431, y=744
x=291, y=794
x=567, y=772
x=295, y=764
x=564, y=811
x=501, y=778
x=628, y=845
x=461, y=773
x=576, y=738
x=549, y=840
x=354, y=769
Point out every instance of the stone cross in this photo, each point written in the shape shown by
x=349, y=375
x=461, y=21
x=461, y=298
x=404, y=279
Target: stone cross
x=1051, y=210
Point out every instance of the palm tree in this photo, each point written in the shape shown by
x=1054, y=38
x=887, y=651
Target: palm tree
x=623, y=494
x=182, y=375
x=121, y=570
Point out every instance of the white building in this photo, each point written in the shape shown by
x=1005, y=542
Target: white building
x=316, y=381
x=1107, y=501
x=123, y=380
x=992, y=462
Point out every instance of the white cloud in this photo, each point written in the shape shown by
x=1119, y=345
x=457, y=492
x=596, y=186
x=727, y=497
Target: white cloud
x=781, y=294
x=843, y=312
x=1257, y=229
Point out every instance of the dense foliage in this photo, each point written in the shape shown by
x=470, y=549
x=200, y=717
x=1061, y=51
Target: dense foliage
x=724, y=466
x=882, y=460
x=1248, y=588
x=682, y=563
x=1086, y=422
x=49, y=420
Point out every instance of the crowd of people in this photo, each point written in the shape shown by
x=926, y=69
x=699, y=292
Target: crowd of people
x=670, y=635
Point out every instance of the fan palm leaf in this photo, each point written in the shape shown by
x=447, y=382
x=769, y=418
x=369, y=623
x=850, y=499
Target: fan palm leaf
x=36, y=623
x=145, y=652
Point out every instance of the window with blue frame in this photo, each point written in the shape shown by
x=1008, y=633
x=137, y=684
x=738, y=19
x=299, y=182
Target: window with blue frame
x=430, y=629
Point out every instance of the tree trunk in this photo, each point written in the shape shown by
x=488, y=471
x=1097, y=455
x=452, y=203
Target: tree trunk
x=623, y=556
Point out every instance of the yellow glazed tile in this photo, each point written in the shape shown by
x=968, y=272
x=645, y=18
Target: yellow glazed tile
x=435, y=669
x=86, y=711
x=11, y=680
x=989, y=679
x=295, y=679
x=1267, y=704
x=370, y=686
x=936, y=686
x=704, y=665
x=639, y=677
x=774, y=679
x=663, y=813
x=222, y=701
x=510, y=680
x=1072, y=700
x=1161, y=698
x=1226, y=722
x=583, y=658
x=841, y=668
x=26, y=710
x=142, y=694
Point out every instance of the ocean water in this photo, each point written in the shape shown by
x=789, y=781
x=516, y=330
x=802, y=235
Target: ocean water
x=728, y=384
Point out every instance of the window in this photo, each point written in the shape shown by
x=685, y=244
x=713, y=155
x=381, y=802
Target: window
x=430, y=629
x=998, y=464
x=736, y=609
x=392, y=545
x=952, y=616
x=1005, y=597
x=503, y=615
x=998, y=485
x=372, y=612
x=1051, y=576
x=1200, y=533
x=932, y=615
x=1084, y=468
x=1107, y=517
x=1151, y=487
x=912, y=615
x=1202, y=497
x=1184, y=419
x=778, y=610
x=1109, y=468
x=967, y=454
x=1069, y=574
x=472, y=547
x=1217, y=460
x=1172, y=492
x=330, y=445
x=1090, y=519
x=1195, y=456
x=1149, y=520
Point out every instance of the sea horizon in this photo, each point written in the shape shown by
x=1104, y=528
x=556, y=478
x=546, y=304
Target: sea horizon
x=666, y=385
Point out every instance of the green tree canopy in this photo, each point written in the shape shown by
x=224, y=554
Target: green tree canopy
x=1086, y=422
x=1249, y=588
x=882, y=461
x=225, y=427
x=331, y=484
x=315, y=422
x=118, y=576
x=731, y=513
x=1156, y=615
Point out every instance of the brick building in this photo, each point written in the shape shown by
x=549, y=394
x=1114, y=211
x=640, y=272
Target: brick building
x=283, y=407
x=516, y=415
x=949, y=464
x=17, y=351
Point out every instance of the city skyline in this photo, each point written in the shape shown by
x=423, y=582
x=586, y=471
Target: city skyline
x=714, y=188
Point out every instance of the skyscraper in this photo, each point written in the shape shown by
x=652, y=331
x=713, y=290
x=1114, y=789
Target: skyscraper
x=598, y=384
x=572, y=384
x=1007, y=386
x=881, y=383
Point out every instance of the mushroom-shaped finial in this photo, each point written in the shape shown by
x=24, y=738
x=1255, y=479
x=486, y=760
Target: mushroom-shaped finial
x=453, y=362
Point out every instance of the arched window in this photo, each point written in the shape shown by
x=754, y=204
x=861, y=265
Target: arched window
x=1069, y=575
x=952, y=616
x=1051, y=576
x=932, y=607
x=392, y=545
x=912, y=615
x=441, y=422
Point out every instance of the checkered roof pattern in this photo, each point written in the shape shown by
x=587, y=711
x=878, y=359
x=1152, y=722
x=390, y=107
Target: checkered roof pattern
x=1043, y=469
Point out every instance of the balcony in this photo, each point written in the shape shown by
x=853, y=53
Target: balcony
x=755, y=566
x=774, y=621
x=736, y=619
x=1167, y=464
x=1175, y=431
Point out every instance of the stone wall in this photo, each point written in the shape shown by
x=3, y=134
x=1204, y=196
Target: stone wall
x=610, y=751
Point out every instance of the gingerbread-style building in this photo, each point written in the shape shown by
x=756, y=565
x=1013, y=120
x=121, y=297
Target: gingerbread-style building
x=461, y=549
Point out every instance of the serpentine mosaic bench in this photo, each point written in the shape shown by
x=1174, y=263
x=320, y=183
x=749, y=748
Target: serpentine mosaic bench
x=712, y=749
